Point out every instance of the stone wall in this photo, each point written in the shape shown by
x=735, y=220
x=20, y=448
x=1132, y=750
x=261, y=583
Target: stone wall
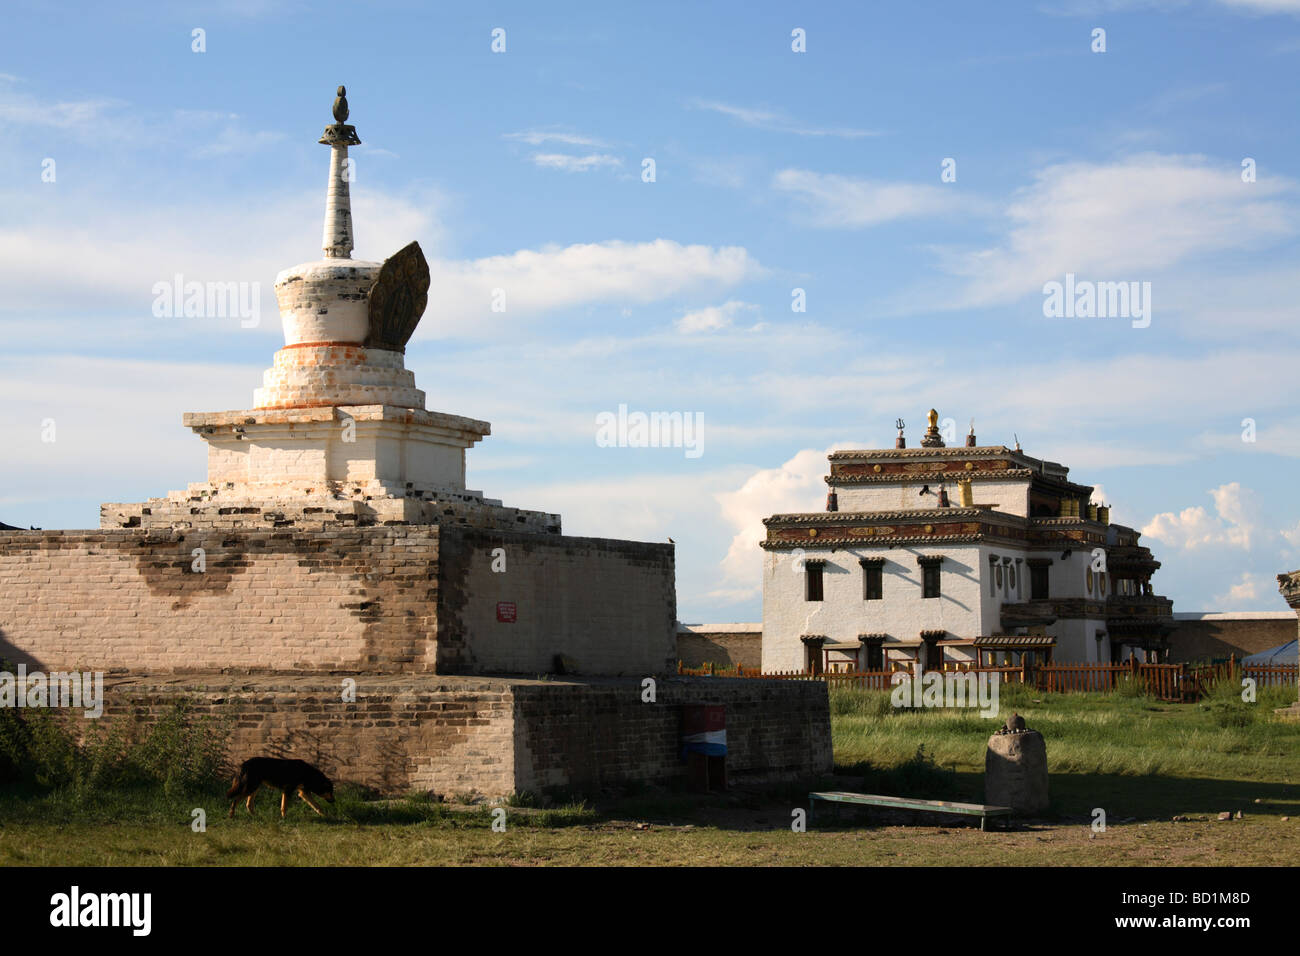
x=594, y=735
x=355, y=600
x=391, y=599
x=491, y=736
x=1199, y=636
x=723, y=645
x=402, y=733
x=609, y=606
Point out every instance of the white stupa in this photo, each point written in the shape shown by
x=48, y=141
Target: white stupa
x=338, y=426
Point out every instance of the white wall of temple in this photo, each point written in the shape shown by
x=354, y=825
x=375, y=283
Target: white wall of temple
x=1076, y=641
x=1009, y=497
x=976, y=580
x=843, y=613
x=1070, y=577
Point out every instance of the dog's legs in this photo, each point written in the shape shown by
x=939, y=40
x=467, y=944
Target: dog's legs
x=233, y=803
x=303, y=794
x=284, y=801
x=249, y=804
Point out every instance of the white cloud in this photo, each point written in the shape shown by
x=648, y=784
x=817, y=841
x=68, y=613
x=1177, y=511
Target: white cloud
x=575, y=164
x=17, y=109
x=538, y=137
x=1094, y=7
x=536, y=281
x=724, y=173
x=1248, y=588
x=777, y=122
x=833, y=201
x=1264, y=6
x=99, y=120
x=1122, y=221
x=796, y=486
x=1234, y=525
x=94, y=257
x=118, y=421
x=714, y=318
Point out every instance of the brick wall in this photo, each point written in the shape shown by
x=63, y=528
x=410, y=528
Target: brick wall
x=1220, y=635
x=362, y=599
x=402, y=733
x=595, y=735
x=723, y=649
x=609, y=606
x=386, y=599
x=494, y=736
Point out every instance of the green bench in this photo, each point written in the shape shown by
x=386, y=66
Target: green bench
x=981, y=810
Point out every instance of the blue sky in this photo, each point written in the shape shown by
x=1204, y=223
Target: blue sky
x=774, y=170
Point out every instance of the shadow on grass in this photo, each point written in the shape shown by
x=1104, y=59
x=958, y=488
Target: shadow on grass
x=1125, y=798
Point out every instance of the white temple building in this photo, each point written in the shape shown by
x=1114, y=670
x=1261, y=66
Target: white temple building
x=948, y=557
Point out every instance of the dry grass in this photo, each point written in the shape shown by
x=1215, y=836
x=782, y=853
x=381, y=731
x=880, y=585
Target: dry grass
x=1141, y=761
x=1252, y=841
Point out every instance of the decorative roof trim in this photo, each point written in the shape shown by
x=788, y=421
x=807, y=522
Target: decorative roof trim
x=928, y=477
x=853, y=542
x=844, y=453
x=857, y=517
x=1013, y=641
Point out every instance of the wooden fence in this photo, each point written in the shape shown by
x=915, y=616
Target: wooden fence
x=1172, y=682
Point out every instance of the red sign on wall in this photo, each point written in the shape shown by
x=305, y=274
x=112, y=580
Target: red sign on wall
x=506, y=612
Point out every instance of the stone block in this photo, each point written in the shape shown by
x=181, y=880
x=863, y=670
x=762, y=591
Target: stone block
x=1015, y=771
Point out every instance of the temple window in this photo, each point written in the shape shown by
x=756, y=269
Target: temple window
x=812, y=576
x=873, y=579
x=929, y=576
x=1038, y=582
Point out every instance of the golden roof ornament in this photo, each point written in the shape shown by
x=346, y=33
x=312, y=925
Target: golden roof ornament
x=932, y=437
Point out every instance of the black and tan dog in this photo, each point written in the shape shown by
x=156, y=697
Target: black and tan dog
x=287, y=776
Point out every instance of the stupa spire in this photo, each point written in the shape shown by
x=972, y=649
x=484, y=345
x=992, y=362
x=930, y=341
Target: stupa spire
x=337, y=240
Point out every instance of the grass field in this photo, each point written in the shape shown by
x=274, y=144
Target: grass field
x=1141, y=761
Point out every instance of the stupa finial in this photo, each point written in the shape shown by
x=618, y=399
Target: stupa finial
x=337, y=241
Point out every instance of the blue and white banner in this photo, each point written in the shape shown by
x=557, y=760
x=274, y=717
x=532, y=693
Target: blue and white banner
x=711, y=743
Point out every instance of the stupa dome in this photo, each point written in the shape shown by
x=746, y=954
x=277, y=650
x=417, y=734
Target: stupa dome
x=326, y=301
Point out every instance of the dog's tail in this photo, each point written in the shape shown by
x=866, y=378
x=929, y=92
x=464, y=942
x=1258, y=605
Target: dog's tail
x=236, y=785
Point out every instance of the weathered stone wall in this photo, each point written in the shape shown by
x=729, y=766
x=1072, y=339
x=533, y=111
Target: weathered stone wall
x=591, y=735
x=355, y=600
x=1211, y=635
x=697, y=646
x=493, y=736
x=446, y=735
x=328, y=506
x=609, y=606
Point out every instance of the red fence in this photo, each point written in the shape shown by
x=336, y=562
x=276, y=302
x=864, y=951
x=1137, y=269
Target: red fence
x=1174, y=682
